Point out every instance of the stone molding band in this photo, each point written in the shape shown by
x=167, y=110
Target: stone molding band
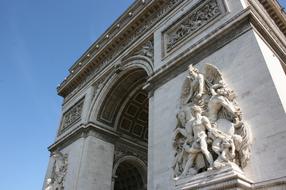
x=92, y=129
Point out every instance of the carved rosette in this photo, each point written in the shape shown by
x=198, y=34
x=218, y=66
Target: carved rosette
x=210, y=132
x=56, y=181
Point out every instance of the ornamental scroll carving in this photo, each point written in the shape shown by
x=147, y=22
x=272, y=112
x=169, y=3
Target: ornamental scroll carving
x=198, y=17
x=55, y=182
x=210, y=132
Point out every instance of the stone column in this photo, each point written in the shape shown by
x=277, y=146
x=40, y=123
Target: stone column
x=96, y=165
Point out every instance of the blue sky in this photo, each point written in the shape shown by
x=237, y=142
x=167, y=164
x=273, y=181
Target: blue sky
x=39, y=41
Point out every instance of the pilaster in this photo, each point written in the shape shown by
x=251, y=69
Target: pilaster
x=96, y=164
x=87, y=103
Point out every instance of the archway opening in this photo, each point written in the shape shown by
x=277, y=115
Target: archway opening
x=129, y=177
x=127, y=83
x=125, y=109
x=125, y=106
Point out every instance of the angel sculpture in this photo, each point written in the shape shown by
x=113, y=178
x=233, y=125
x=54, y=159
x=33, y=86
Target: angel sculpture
x=227, y=136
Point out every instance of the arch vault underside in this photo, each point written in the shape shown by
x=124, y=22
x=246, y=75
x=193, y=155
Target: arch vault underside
x=124, y=109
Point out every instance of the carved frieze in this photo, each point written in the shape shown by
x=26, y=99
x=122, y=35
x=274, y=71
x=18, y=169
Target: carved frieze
x=56, y=180
x=193, y=21
x=210, y=132
x=72, y=115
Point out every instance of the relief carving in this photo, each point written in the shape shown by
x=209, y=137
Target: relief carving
x=197, y=18
x=72, y=115
x=147, y=50
x=210, y=132
x=55, y=182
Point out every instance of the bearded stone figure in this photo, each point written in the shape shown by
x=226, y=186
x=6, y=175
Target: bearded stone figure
x=210, y=132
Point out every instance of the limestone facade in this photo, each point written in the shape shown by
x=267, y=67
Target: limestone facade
x=177, y=94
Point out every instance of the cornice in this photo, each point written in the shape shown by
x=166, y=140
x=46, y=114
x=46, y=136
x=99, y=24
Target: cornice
x=92, y=129
x=276, y=12
x=271, y=183
x=140, y=17
x=269, y=31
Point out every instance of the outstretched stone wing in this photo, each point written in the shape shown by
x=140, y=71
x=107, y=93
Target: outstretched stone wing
x=212, y=74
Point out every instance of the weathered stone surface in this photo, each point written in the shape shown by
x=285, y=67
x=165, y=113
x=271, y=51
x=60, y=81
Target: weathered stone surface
x=140, y=66
x=209, y=125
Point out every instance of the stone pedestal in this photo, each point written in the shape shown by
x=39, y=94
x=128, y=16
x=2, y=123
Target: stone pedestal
x=230, y=177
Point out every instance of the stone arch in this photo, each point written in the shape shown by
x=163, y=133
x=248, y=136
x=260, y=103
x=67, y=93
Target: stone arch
x=136, y=170
x=139, y=61
x=133, y=64
x=114, y=93
x=121, y=92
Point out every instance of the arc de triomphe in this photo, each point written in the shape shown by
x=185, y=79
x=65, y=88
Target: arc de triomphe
x=177, y=94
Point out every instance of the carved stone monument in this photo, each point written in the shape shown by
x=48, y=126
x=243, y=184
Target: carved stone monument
x=177, y=94
x=210, y=133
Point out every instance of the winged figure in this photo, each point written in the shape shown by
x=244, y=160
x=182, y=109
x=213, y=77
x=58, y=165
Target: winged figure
x=228, y=137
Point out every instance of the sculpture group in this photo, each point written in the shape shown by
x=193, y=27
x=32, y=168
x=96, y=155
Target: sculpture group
x=210, y=133
x=55, y=182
